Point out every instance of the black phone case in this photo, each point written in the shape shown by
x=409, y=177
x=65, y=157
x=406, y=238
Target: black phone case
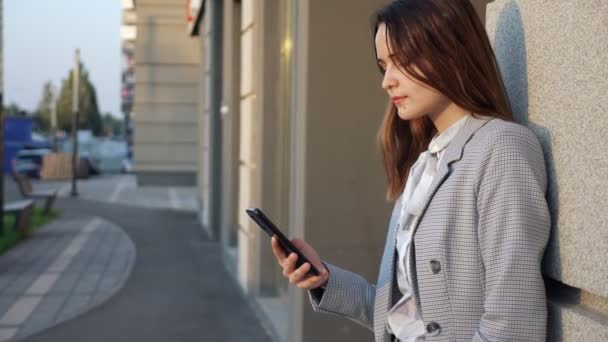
x=264, y=222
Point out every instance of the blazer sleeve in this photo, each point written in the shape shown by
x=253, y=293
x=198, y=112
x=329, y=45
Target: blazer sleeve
x=513, y=230
x=346, y=294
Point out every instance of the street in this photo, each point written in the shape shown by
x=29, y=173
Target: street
x=177, y=289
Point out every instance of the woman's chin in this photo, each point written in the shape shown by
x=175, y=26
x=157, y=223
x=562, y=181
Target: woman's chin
x=404, y=115
x=407, y=115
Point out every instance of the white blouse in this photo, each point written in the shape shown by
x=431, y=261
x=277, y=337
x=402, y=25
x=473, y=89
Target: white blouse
x=403, y=319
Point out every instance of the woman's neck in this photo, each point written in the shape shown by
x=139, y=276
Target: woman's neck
x=448, y=117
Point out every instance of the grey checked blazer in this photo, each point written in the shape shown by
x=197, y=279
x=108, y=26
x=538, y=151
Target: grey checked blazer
x=477, y=247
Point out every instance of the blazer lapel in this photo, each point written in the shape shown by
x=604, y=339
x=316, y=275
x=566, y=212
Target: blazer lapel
x=452, y=153
x=386, y=287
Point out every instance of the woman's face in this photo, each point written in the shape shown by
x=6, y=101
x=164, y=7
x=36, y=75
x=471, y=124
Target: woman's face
x=412, y=98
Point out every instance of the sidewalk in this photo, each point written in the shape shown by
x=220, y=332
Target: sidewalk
x=122, y=189
x=65, y=268
x=105, y=271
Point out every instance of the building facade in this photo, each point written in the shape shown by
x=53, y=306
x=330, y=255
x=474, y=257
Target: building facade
x=290, y=104
x=166, y=95
x=128, y=35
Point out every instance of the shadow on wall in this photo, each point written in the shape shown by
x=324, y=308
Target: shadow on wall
x=510, y=49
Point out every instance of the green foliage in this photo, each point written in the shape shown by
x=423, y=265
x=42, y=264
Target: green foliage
x=10, y=238
x=89, y=117
x=112, y=125
x=43, y=114
x=13, y=109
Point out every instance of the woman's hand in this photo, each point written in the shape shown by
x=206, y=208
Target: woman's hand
x=300, y=277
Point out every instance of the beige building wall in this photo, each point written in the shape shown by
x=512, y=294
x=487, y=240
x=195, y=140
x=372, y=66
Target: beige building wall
x=258, y=176
x=303, y=146
x=552, y=55
x=203, y=162
x=230, y=121
x=249, y=168
x=338, y=199
x=204, y=183
x=167, y=94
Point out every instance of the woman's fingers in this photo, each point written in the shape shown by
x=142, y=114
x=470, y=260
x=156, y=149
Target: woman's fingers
x=299, y=274
x=289, y=264
x=310, y=282
x=277, y=250
x=299, y=243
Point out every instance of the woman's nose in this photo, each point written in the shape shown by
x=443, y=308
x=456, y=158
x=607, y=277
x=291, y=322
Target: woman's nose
x=388, y=81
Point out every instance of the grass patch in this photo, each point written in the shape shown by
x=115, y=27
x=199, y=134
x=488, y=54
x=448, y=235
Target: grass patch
x=10, y=238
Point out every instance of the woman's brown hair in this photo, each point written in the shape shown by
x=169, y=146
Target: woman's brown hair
x=447, y=42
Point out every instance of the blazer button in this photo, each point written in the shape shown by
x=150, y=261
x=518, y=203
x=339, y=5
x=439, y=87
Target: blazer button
x=433, y=329
x=435, y=266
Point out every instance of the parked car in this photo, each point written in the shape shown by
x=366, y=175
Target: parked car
x=28, y=161
x=111, y=155
x=84, y=151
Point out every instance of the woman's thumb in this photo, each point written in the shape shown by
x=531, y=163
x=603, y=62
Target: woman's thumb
x=299, y=243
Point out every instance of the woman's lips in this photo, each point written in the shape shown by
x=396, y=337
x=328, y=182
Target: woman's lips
x=398, y=100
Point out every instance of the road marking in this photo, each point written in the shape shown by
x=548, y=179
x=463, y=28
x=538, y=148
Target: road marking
x=43, y=284
x=7, y=333
x=121, y=185
x=175, y=202
x=20, y=311
x=60, y=264
x=63, y=191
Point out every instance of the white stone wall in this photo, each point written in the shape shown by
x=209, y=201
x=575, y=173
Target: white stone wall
x=552, y=56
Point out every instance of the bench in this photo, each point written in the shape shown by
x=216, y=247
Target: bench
x=25, y=187
x=22, y=211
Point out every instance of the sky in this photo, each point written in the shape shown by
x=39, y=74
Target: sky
x=40, y=38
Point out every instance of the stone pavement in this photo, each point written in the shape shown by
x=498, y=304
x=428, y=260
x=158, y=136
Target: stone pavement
x=62, y=270
x=122, y=189
x=106, y=271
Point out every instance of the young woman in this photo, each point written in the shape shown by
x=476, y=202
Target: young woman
x=462, y=260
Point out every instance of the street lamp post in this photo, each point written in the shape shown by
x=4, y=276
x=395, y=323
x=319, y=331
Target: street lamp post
x=1, y=128
x=1, y=154
x=75, y=108
x=53, y=120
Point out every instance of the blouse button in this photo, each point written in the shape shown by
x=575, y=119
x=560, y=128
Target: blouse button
x=433, y=329
x=435, y=266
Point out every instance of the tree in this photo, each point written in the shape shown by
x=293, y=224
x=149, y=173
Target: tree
x=112, y=125
x=43, y=114
x=89, y=117
x=14, y=110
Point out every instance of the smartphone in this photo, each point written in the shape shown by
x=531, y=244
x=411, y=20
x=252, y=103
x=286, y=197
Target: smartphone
x=264, y=222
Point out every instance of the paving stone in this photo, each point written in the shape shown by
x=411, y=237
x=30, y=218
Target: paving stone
x=61, y=270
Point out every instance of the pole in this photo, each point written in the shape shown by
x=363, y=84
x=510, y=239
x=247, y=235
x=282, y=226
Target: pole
x=1, y=128
x=53, y=120
x=1, y=150
x=75, y=108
